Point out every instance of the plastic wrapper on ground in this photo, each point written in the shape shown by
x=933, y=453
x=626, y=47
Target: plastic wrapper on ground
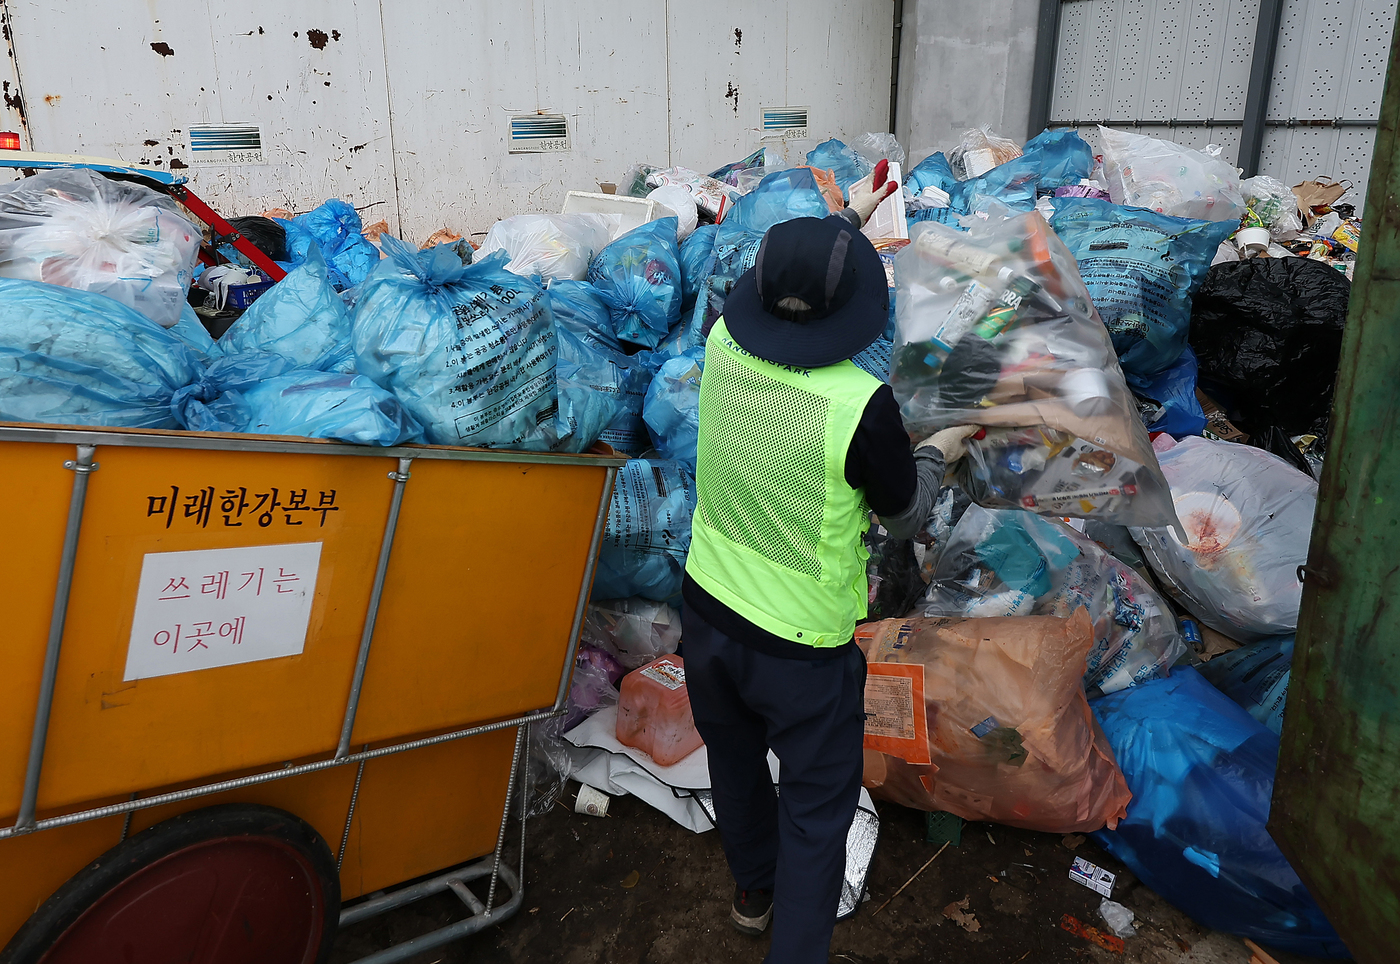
x=1001, y=729
x=1268, y=335
x=634, y=631
x=1170, y=179
x=76, y=228
x=1012, y=563
x=996, y=329
x=469, y=349
x=1201, y=771
x=335, y=228
x=647, y=534
x=1255, y=677
x=844, y=163
x=1140, y=268
x=301, y=317
x=591, y=688
x=672, y=411
x=1248, y=517
x=72, y=357
x=267, y=394
x=639, y=276
x=551, y=246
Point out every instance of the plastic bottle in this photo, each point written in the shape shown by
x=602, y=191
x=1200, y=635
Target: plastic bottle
x=653, y=713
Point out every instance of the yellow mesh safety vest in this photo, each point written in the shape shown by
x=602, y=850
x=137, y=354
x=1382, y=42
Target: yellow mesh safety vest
x=777, y=531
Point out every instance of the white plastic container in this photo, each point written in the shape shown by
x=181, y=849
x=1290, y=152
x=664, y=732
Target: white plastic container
x=635, y=211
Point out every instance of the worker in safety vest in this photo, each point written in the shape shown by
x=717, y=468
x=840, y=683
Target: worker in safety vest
x=797, y=446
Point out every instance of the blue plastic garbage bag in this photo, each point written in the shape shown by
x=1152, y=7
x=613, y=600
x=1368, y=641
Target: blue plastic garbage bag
x=932, y=171
x=1256, y=677
x=335, y=228
x=190, y=330
x=1175, y=391
x=695, y=261
x=1141, y=269
x=591, y=361
x=639, y=276
x=72, y=357
x=1202, y=773
x=840, y=160
x=672, y=410
x=781, y=196
x=302, y=317
x=267, y=394
x=1049, y=160
x=647, y=536
x=469, y=349
x=876, y=358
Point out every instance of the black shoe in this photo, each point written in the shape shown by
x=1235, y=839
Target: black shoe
x=752, y=910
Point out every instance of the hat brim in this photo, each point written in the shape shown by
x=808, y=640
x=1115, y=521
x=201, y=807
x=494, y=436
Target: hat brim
x=844, y=333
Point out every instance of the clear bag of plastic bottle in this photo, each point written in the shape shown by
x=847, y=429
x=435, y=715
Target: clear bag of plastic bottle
x=552, y=246
x=1148, y=172
x=995, y=328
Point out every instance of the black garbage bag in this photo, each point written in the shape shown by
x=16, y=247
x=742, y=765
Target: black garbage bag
x=267, y=235
x=1268, y=335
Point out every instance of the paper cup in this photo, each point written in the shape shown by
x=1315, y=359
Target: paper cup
x=592, y=802
x=1211, y=522
x=1252, y=241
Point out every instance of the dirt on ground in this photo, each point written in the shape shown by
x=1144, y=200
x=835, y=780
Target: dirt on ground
x=635, y=887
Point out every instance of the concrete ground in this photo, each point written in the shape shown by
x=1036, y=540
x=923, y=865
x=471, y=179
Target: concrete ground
x=580, y=908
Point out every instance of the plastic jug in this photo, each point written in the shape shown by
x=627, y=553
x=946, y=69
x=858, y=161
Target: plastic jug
x=653, y=713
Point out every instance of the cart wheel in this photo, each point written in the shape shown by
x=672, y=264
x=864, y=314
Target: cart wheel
x=231, y=884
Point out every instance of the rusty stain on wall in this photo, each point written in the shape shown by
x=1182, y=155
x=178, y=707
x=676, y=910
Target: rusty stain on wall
x=163, y=48
x=317, y=38
x=732, y=94
x=738, y=39
x=12, y=101
x=52, y=99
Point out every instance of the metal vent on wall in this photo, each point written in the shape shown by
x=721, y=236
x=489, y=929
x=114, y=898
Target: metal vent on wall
x=785, y=122
x=226, y=144
x=538, y=133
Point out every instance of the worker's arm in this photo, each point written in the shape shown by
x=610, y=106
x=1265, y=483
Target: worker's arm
x=865, y=197
x=900, y=485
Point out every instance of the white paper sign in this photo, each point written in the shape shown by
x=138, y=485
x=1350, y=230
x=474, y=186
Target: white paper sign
x=219, y=607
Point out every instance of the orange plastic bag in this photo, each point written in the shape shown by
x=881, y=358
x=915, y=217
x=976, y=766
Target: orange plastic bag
x=1006, y=733
x=826, y=180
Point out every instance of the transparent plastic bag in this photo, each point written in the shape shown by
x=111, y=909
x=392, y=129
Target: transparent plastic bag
x=1202, y=775
x=550, y=765
x=421, y=320
x=551, y=246
x=1010, y=737
x=732, y=174
x=639, y=276
x=268, y=394
x=875, y=147
x=978, y=151
x=647, y=535
x=1141, y=269
x=72, y=357
x=995, y=328
x=1248, y=519
x=681, y=203
x=1271, y=204
x=1170, y=179
x=75, y=228
x=1005, y=562
x=847, y=166
x=302, y=317
x=635, y=631
x=672, y=411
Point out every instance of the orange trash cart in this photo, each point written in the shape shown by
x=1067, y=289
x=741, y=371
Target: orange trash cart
x=261, y=676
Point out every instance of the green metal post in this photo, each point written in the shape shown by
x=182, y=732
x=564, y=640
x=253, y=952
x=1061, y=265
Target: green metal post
x=1336, y=807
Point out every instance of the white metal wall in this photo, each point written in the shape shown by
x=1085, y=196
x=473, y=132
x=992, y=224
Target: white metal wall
x=402, y=106
x=1189, y=60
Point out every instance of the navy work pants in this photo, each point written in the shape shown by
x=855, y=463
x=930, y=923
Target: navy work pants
x=810, y=712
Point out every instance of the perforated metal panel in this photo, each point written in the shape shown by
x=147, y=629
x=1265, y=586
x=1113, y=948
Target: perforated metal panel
x=1179, y=70
x=1331, y=66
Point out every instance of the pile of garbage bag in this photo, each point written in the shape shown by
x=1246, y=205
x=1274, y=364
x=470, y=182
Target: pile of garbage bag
x=1146, y=342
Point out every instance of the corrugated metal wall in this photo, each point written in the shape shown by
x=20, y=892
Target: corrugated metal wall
x=1180, y=70
x=402, y=106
